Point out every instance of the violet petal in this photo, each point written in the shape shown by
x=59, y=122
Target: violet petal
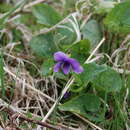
x=66, y=68
x=67, y=95
x=77, y=68
x=60, y=56
x=57, y=66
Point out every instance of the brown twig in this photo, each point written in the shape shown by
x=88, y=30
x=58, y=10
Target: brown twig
x=13, y=114
x=21, y=116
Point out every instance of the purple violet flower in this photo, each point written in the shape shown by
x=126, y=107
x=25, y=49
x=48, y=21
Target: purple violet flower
x=67, y=95
x=66, y=64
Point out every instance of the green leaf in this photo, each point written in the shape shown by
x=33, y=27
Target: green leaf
x=92, y=32
x=66, y=35
x=29, y=115
x=109, y=81
x=101, y=76
x=60, y=75
x=43, y=45
x=76, y=88
x=46, y=14
x=4, y=19
x=118, y=20
x=46, y=67
x=30, y=24
x=81, y=50
x=90, y=72
x=82, y=104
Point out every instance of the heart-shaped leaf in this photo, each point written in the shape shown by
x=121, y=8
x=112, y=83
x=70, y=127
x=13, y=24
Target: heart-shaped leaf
x=118, y=20
x=108, y=80
x=82, y=104
x=92, y=32
x=46, y=14
x=43, y=45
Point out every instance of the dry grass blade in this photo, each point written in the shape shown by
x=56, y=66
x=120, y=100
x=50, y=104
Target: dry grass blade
x=17, y=114
x=28, y=86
